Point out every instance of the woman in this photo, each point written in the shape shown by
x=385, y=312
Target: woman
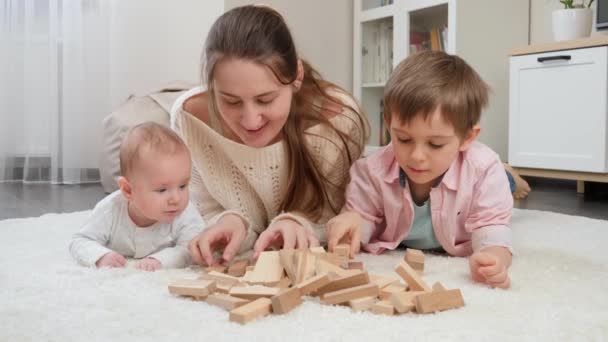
x=271, y=141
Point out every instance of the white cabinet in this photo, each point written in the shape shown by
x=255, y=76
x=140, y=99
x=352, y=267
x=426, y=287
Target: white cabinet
x=558, y=109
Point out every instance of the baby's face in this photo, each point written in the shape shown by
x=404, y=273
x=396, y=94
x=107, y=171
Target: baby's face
x=424, y=149
x=160, y=186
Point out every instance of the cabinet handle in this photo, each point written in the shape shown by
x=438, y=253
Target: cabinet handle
x=554, y=58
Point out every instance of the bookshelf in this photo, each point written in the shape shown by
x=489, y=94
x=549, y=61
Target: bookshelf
x=481, y=32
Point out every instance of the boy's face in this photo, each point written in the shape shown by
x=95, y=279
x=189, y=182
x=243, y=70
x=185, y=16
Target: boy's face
x=158, y=187
x=425, y=149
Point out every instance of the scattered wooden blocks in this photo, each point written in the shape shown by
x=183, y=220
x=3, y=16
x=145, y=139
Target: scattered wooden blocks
x=268, y=269
x=254, y=292
x=306, y=266
x=226, y=301
x=404, y=301
x=412, y=278
x=248, y=312
x=238, y=268
x=383, y=281
x=286, y=300
x=439, y=301
x=351, y=293
x=415, y=259
x=216, y=268
x=362, y=304
x=312, y=284
x=360, y=278
x=342, y=250
x=438, y=287
x=196, y=288
x=386, y=292
x=221, y=278
x=383, y=307
x=355, y=265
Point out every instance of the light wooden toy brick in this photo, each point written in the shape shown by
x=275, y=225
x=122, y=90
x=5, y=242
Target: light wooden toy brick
x=289, y=262
x=238, y=268
x=286, y=300
x=216, y=268
x=360, y=278
x=221, y=278
x=284, y=283
x=438, y=287
x=254, y=292
x=248, y=312
x=317, y=249
x=362, y=304
x=306, y=266
x=383, y=307
x=225, y=301
x=268, y=269
x=385, y=293
x=342, y=250
x=312, y=284
x=197, y=288
x=346, y=295
x=415, y=258
x=249, y=268
x=383, y=281
x=355, y=265
x=325, y=266
x=333, y=259
x=404, y=301
x=439, y=301
x=411, y=277
x=224, y=287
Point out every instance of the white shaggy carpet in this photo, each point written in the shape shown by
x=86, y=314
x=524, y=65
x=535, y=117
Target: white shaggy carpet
x=560, y=292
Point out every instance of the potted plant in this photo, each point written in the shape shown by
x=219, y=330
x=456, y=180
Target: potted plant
x=573, y=21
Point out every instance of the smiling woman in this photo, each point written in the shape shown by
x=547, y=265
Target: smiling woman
x=271, y=141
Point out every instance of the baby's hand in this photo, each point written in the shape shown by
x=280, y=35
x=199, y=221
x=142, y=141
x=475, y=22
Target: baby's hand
x=489, y=269
x=148, y=264
x=345, y=226
x=111, y=259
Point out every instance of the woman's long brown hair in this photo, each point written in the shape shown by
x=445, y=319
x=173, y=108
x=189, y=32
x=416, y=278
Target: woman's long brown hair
x=259, y=34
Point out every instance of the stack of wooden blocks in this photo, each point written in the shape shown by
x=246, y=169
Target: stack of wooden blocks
x=280, y=279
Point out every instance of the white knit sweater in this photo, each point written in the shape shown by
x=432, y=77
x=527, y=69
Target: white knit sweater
x=229, y=177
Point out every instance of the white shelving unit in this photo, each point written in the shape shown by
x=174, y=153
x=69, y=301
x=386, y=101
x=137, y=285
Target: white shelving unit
x=479, y=31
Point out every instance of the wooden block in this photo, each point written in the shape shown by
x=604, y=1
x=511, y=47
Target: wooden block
x=355, y=265
x=192, y=287
x=342, y=250
x=223, y=288
x=284, y=283
x=216, y=268
x=439, y=301
x=238, y=268
x=312, y=284
x=345, y=295
x=411, y=277
x=306, y=266
x=325, y=266
x=385, y=293
x=317, y=249
x=268, y=269
x=362, y=304
x=360, y=278
x=383, y=307
x=249, y=268
x=333, y=259
x=226, y=301
x=248, y=312
x=286, y=300
x=383, y=281
x=254, y=292
x=289, y=262
x=438, y=287
x=415, y=258
x=221, y=278
x=404, y=301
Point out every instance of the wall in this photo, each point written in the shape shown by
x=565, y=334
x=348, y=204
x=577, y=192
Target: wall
x=323, y=33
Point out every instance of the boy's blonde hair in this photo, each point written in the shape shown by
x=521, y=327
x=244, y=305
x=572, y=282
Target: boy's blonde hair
x=429, y=80
x=151, y=136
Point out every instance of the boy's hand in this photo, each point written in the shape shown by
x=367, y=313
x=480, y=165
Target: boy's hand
x=489, y=269
x=227, y=234
x=345, y=226
x=287, y=234
x=149, y=264
x=111, y=259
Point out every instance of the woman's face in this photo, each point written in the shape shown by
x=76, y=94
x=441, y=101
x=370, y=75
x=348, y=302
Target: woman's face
x=252, y=102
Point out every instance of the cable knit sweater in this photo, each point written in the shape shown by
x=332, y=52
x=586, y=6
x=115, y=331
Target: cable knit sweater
x=230, y=177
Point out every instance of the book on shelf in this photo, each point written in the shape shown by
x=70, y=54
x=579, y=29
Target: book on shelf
x=436, y=39
x=377, y=53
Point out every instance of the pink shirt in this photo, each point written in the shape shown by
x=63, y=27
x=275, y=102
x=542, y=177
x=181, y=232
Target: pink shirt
x=470, y=207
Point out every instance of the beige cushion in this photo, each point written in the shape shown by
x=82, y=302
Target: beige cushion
x=137, y=109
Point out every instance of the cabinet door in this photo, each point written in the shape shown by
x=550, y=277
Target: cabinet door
x=557, y=114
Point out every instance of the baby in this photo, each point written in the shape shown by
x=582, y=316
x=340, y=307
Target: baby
x=434, y=187
x=150, y=218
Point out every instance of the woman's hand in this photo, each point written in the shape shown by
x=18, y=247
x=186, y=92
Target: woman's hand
x=345, y=226
x=227, y=234
x=287, y=234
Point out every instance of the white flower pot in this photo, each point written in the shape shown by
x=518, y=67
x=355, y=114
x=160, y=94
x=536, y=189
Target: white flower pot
x=572, y=23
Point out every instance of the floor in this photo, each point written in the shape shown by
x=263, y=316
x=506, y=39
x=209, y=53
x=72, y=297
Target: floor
x=18, y=200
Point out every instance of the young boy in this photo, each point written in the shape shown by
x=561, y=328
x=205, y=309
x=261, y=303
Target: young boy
x=434, y=187
x=150, y=218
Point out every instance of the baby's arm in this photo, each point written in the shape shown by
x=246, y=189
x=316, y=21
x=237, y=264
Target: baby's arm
x=489, y=222
x=88, y=246
x=186, y=227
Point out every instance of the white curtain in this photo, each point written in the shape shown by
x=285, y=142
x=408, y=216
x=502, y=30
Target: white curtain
x=54, y=89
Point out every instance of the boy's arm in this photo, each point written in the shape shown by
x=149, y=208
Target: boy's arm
x=187, y=226
x=89, y=244
x=490, y=216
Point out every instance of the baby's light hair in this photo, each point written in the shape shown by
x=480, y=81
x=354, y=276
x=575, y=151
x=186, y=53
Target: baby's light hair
x=431, y=80
x=148, y=136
